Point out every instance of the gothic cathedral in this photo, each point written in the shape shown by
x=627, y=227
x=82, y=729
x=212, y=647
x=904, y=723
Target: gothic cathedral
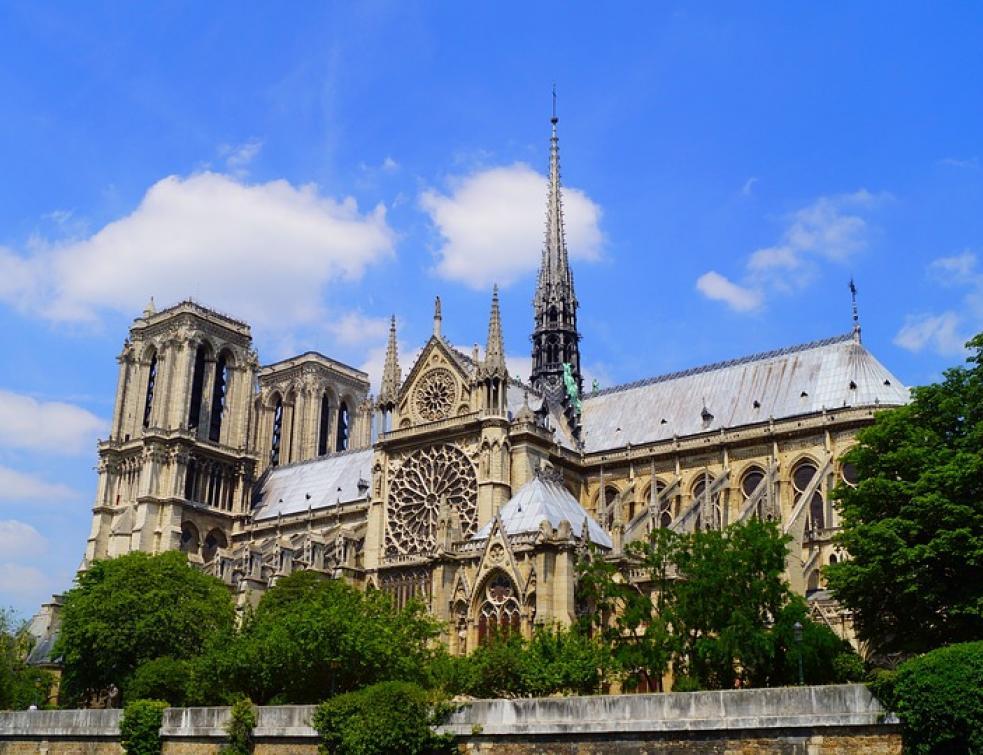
x=460, y=484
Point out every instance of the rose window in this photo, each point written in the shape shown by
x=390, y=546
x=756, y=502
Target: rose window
x=435, y=395
x=427, y=477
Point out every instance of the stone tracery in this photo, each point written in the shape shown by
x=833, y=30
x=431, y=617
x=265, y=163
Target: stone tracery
x=428, y=477
x=435, y=395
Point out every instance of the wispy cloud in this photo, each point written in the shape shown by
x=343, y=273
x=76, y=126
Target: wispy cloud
x=50, y=426
x=238, y=157
x=492, y=222
x=947, y=332
x=356, y=328
x=18, y=539
x=829, y=230
x=967, y=163
x=19, y=487
x=748, y=186
x=265, y=252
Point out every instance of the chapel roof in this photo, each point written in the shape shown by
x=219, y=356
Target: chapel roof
x=544, y=500
x=829, y=374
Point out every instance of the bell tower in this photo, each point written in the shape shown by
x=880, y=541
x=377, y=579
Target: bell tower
x=555, y=338
x=176, y=470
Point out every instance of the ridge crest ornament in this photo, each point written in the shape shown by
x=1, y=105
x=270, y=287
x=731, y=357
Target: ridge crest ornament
x=428, y=477
x=435, y=394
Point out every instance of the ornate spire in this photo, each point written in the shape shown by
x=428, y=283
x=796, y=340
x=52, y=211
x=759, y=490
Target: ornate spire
x=856, y=315
x=495, y=348
x=556, y=340
x=391, y=376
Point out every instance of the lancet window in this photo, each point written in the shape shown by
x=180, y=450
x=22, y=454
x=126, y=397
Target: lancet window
x=341, y=442
x=324, y=427
x=277, y=434
x=197, y=385
x=219, y=391
x=802, y=475
x=148, y=403
x=709, y=516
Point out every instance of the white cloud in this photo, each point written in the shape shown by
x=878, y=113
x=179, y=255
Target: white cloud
x=356, y=328
x=493, y=221
x=17, y=486
x=965, y=163
x=265, y=252
x=238, y=157
x=748, y=186
x=53, y=426
x=830, y=229
x=18, y=539
x=19, y=580
x=715, y=286
x=938, y=332
x=955, y=270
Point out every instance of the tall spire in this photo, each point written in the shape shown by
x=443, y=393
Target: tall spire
x=437, y=317
x=556, y=340
x=391, y=376
x=495, y=348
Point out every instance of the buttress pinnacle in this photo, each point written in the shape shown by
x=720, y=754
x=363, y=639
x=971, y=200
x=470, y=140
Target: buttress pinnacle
x=391, y=376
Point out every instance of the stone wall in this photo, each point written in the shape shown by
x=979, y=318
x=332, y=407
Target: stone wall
x=832, y=719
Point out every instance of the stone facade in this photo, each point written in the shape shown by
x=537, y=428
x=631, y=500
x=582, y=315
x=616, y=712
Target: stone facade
x=469, y=488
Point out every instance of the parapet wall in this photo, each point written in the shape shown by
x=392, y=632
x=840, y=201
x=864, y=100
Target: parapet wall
x=833, y=719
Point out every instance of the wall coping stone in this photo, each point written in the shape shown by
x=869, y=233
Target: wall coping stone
x=60, y=723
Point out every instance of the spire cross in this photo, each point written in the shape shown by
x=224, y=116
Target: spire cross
x=856, y=314
x=554, y=119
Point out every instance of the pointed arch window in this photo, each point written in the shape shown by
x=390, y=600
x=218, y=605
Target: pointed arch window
x=148, y=403
x=341, y=441
x=706, y=518
x=324, y=428
x=277, y=431
x=197, y=384
x=219, y=392
x=499, y=615
x=802, y=475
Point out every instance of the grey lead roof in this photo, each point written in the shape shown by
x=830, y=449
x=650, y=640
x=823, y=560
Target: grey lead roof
x=543, y=500
x=828, y=374
x=316, y=484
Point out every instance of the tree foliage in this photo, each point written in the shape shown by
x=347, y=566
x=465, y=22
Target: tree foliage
x=242, y=722
x=136, y=608
x=914, y=524
x=159, y=679
x=554, y=660
x=311, y=637
x=384, y=718
x=20, y=685
x=939, y=699
x=139, y=728
x=714, y=604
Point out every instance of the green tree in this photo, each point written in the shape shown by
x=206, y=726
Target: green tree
x=20, y=684
x=913, y=525
x=633, y=618
x=311, y=637
x=136, y=608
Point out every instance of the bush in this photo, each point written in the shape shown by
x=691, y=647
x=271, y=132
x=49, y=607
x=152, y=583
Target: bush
x=384, y=718
x=848, y=667
x=939, y=699
x=160, y=679
x=140, y=728
x=240, y=728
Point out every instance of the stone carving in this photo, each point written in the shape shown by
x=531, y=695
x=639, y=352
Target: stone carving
x=435, y=394
x=427, y=477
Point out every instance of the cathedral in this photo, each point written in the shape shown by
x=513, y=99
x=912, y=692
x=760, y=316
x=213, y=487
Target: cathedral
x=471, y=489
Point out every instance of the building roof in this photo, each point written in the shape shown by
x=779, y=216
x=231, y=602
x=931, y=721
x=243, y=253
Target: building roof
x=316, y=484
x=545, y=500
x=829, y=374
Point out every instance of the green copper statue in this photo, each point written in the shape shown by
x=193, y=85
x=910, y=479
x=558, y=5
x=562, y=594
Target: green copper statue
x=571, y=385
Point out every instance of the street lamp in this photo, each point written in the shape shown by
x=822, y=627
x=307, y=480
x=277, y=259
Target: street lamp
x=797, y=634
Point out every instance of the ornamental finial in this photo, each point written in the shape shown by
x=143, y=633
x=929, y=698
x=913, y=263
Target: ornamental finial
x=856, y=314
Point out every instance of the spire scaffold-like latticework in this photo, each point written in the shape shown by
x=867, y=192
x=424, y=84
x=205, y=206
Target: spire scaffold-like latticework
x=856, y=314
x=555, y=338
x=391, y=376
x=495, y=348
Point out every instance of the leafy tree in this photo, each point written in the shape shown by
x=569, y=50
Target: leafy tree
x=939, y=699
x=311, y=637
x=625, y=615
x=384, y=718
x=913, y=525
x=159, y=679
x=20, y=684
x=242, y=722
x=139, y=728
x=554, y=660
x=133, y=609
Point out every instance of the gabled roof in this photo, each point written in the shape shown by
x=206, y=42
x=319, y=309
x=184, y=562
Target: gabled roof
x=829, y=374
x=544, y=500
x=327, y=481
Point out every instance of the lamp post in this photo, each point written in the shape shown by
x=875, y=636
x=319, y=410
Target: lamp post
x=797, y=634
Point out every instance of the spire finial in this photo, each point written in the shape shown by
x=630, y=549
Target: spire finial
x=437, y=317
x=495, y=348
x=554, y=119
x=856, y=314
x=391, y=375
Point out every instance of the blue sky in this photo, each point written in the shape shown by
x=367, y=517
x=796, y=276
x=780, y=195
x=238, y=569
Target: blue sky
x=313, y=168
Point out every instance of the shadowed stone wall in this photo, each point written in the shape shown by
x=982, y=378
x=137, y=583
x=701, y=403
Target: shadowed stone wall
x=834, y=719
